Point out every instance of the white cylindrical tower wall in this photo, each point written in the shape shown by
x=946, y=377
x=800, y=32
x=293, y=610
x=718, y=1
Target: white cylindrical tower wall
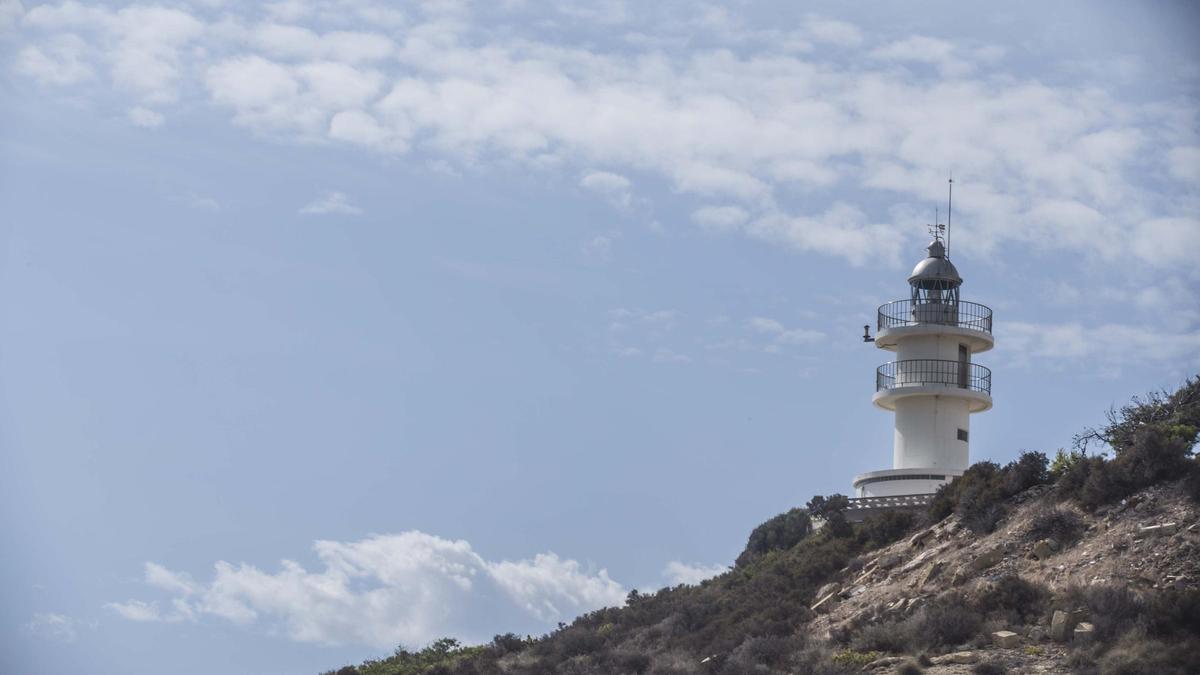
x=944, y=347
x=928, y=433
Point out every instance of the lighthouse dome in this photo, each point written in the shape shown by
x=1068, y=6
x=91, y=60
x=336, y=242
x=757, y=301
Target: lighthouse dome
x=935, y=271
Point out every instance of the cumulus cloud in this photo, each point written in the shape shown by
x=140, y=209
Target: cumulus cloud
x=611, y=186
x=60, y=61
x=683, y=573
x=383, y=590
x=331, y=203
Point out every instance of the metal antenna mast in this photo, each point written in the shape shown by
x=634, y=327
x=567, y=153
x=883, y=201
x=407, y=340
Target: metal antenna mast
x=949, y=212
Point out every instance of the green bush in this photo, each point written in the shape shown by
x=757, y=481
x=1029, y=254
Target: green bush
x=779, y=533
x=978, y=496
x=1012, y=597
x=1054, y=523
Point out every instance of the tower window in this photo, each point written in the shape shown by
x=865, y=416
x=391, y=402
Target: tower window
x=962, y=435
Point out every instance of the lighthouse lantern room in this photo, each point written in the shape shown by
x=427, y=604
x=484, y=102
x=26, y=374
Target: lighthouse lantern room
x=932, y=385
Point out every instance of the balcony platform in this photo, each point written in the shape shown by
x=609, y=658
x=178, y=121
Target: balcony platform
x=979, y=401
x=971, y=322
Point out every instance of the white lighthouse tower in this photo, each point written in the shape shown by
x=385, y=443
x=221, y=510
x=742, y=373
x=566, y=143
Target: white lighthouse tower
x=932, y=385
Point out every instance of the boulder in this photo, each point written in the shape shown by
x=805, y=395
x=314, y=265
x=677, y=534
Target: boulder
x=931, y=572
x=987, y=559
x=1006, y=639
x=888, y=561
x=1061, y=625
x=885, y=662
x=1043, y=549
x=960, y=658
x=828, y=588
x=1084, y=632
x=920, y=559
x=1037, y=633
x=918, y=539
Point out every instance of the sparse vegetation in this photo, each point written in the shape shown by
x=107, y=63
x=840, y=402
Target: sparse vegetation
x=1056, y=523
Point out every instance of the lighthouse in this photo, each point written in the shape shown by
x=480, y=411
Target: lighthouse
x=931, y=384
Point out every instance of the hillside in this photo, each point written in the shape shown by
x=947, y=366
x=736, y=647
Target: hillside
x=1085, y=564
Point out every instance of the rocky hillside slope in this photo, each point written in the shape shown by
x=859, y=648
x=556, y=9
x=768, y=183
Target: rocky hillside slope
x=1147, y=542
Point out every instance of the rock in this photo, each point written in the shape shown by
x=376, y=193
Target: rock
x=833, y=587
x=987, y=559
x=1043, y=549
x=885, y=662
x=825, y=603
x=1084, y=632
x=917, y=561
x=959, y=576
x=888, y=561
x=1037, y=633
x=933, y=570
x=961, y=658
x=1006, y=639
x=857, y=591
x=1158, y=530
x=918, y=539
x=1061, y=625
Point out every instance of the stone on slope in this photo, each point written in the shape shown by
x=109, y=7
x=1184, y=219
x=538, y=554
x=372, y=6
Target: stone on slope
x=1006, y=639
x=1061, y=625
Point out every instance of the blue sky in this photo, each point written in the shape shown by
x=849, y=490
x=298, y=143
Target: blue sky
x=330, y=326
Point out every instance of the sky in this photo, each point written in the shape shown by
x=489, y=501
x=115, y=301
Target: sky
x=331, y=326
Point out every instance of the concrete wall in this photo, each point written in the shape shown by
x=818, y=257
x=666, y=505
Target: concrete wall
x=926, y=433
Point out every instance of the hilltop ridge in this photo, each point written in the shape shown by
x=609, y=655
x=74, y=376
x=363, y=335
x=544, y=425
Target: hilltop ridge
x=1083, y=564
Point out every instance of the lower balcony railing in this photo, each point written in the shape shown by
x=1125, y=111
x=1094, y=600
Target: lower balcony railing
x=923, y=372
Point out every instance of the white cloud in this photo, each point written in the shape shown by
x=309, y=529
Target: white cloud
x=145, y=117
x=10, y=13
x=720, y=218
x=1106, y=347
x=382, y=591
x=781, y=335
x=682, y=573
x=924, y=49
x=331, y=202
x=136, y=610
x=201, y=202
x=612, y=186
x=55, y=627
x=61, y=61
x=747, y=118
x=664, y=355
x=1184, y=164
x=598, y=248
x=1165, y=242
x=832, y=31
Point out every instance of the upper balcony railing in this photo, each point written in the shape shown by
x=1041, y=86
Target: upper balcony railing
x=924, y=372
x=960, y=314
